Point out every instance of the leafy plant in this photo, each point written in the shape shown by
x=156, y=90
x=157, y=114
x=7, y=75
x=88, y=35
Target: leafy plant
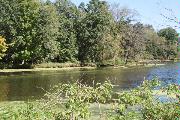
x=141, y=103
x=73, y=102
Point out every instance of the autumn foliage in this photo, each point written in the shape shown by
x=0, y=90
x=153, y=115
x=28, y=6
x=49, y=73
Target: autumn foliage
x=3, y=46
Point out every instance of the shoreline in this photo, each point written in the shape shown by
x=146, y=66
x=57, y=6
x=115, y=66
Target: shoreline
x=45, y=69
x=76, y=68
x=138, y=65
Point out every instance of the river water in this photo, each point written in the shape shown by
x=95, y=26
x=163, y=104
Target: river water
x=28, y=85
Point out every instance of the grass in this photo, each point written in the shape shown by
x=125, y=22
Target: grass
x=45, y=69
x=63, y=65
x=68, y=66
x=52, y=67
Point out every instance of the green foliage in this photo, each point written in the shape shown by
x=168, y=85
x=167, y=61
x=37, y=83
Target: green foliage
x=18, y=24
x=25, y=111
x=59, y=31
x=161, y=111
x=94, y=32
x=141, y=103
x=131, y=40
x=171, y=37
x=155, y=45
x=72, y=101
x=46, y=44
x=76, y=99
x=67, y=14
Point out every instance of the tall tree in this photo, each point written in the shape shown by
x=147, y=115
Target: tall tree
x=95, y=35
x=67, y=12
x=155, y=45
x=17, y=24
x=171, y=37
x=47, y=46
x=132, y=41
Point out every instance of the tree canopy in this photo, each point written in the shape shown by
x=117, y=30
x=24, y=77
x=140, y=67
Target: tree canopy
x=95, y=32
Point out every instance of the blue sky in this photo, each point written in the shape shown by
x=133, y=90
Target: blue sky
x=150, y=11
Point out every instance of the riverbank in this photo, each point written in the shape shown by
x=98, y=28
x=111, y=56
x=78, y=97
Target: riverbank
x=78, y=66
x=143, y=65
x=45, y=69
x=38, y=69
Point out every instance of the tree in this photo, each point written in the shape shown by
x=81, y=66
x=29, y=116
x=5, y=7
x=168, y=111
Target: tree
x=155, y=45
x=67, y=13
x=123, y=13
x=31, y=27
x=3, y=47
x=171, y=38
x=18, y=24
x=132, y=40
x=95, y=33
x=47, y=46
x=129, y=34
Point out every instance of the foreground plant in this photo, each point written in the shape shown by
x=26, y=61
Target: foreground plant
x=75, y=99
x=142, y=104
x=73, y=102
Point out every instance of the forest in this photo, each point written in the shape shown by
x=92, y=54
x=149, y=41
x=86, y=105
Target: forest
x=35, y=32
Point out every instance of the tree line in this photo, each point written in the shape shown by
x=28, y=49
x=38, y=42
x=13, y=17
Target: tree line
x=44, y=31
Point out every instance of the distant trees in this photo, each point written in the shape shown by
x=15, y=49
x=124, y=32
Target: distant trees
x=132, y=41
x=171, y=42
x=95, y=32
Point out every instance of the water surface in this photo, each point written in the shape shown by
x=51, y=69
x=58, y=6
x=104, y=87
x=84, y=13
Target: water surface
x=28, y=85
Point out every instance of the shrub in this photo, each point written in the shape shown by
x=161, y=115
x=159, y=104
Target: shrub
x=73, y=101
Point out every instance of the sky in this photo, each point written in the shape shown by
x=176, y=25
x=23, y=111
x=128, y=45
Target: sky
x=151, y=11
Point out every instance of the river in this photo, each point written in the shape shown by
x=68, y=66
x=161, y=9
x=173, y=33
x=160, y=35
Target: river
x=28, y=85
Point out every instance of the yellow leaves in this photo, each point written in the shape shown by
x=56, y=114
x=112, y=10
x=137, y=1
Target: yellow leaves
x=3, y=46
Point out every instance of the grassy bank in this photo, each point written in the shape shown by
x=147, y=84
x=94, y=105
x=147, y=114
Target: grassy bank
x=45, y=69
x=72, y=66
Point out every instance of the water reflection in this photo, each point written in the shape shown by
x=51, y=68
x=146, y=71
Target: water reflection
x=23, y=86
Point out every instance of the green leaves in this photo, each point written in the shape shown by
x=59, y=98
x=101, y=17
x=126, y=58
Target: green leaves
x=46, y=44
x=95, y=39
x=59, y=31
x=171, y=37
x=20, y=18
x=140, y=103
x=74, y=101
x=67, y=16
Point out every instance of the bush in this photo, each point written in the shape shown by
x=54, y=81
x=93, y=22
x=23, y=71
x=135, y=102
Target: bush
x=73, y=102
x=141, y=103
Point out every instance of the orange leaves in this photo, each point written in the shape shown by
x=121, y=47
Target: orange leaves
x=3, y=46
